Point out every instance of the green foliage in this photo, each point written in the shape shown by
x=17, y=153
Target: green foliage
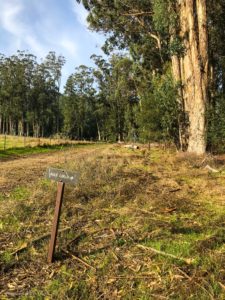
x=216, y=128
x=148, y=24
x=160, y=16
x=122, y=98
x=160, y=110
x=79, y=105
x=100, y=103
x=29, y=94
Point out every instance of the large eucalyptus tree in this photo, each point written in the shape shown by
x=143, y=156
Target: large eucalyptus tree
x=161, y=31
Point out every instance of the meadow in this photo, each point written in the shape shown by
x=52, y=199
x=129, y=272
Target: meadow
x=140, y=224
x=13, y=146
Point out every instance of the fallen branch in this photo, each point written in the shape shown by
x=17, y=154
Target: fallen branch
x=185, y=274
x=144, y=211
x=133, y=147
x=187, y=261
x=222, y=285
x=78, y=259
x=175, y=190
x=132, y=277
x=133, y=14
x=204, y=159
x=211, y=169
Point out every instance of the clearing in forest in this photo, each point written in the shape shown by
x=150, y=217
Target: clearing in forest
x=139, y=225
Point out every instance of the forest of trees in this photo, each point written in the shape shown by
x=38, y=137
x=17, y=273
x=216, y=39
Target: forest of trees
x=29, y=94
x=164, y=79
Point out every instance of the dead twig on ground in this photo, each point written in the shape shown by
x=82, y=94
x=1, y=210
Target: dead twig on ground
x=207, y=167
x=139, y=276
x=222, y=285
x=78, y=259
x=188, y=261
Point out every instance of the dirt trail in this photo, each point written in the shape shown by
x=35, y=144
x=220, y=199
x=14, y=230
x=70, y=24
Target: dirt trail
x=28, y=169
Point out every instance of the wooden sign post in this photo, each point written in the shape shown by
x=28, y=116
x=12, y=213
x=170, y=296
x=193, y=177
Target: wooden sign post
x=61, y=176
x=55, y=225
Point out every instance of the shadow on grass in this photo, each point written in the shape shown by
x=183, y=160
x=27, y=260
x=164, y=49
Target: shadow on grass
x=20, y=151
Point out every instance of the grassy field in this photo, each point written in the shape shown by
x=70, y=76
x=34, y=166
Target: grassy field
x=139, y=225
x=13, y=146
x=10, y=141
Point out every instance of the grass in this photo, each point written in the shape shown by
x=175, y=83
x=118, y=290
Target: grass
x=13, y=146
x=15, y=152
x=124, y=199
x=11, y=141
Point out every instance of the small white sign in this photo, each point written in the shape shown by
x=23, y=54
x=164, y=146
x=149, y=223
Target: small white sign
x=62, y=175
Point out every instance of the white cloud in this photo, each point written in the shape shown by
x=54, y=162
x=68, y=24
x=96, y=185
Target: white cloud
x=69, y=45
x=9, y=17
x=11, y=20
x=40, y=26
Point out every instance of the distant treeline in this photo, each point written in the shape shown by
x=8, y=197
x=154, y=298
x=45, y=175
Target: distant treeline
x=29, y=94
x=98, y=103
x=107, y=102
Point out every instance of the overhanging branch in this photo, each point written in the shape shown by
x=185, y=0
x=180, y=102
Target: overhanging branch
x=134, y=14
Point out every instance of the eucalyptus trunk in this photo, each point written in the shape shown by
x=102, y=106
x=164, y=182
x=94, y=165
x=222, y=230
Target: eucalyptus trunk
x=191, y=70
x=99, y=132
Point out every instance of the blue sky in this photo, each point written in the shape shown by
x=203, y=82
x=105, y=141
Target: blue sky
x=40, y=26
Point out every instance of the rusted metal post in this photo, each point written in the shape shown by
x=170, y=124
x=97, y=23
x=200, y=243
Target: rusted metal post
x=55, y=225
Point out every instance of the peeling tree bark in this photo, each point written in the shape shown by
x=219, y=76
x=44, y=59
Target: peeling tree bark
x=192, y=70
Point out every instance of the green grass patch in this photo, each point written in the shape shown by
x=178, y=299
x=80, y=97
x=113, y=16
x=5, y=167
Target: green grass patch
x=12, y=152
x=20, y=193
x=2, y=197
x=21, y=151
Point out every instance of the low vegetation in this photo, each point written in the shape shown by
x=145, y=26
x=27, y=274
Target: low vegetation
x=13, y=146
x=139, y=225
